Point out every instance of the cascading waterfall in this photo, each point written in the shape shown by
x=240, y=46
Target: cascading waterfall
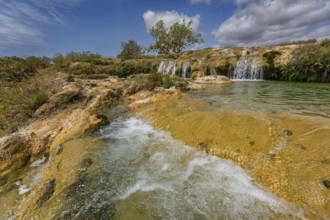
x=171, y=68
x=162, y=67
x=186, y=71
x=248, y=70
x=174, y=68
x=245, y=69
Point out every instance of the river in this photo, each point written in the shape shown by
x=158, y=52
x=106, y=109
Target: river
x=307, y=99
x=151, y=169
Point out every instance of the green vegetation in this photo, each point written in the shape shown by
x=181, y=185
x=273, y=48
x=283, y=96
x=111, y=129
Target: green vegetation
x=15, y=69
x=130, y=50
x=270, y=70
x=152, y=81
x=224, y=69
x=309, y=64
x=173, y=39
x=19, y=100
x=26, y=84
x=165, y=81
x=63, y=62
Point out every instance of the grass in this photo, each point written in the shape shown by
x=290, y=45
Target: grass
x=18, y=101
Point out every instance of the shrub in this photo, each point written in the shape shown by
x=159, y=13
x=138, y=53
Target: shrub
x=310, y=63
x=165, y=81
x=14, y=69
x=130, y=50
x=325, y=42
x=38, y=100
x=270, y=70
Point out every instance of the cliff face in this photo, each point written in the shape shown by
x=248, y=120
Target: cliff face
x=237, y=63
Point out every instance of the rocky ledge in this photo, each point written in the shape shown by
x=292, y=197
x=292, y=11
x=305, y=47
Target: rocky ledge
x=213, y=79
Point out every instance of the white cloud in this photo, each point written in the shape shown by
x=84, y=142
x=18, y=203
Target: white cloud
x=151, y=18
x=260, y=22
x=22, y=21
x=207, y=2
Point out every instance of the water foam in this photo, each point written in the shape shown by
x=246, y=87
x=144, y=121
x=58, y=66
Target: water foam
x=172, y=180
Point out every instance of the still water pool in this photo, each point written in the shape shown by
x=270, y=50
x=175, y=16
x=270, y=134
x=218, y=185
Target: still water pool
x=269, y=96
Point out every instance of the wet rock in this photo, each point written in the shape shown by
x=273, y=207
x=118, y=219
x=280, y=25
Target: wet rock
x=103, y=122
x=301, y=146
x=59, y=149
x=49, y=191
x=194, y=86
x=203, y=146
x=326, y=183
x=3, y=181
x=287, y=132
x=15, y=151
x=325, y=161
x=87, y=162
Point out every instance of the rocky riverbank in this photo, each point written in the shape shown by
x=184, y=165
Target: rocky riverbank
x=51, y=155
x=284, y=153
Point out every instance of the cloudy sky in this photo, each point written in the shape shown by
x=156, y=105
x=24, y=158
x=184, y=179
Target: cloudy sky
x=45, y=27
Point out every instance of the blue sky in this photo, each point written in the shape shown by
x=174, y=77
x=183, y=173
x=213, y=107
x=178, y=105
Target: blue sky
x=45, y=27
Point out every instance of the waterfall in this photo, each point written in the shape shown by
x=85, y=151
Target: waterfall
x=248, y=70
x=174, y=68
x=162, y=67
x=167, y=67
x=171, y=67
x=186, y=71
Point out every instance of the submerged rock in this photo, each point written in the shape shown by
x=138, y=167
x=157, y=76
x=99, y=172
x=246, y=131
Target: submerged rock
x=287, y=132
x=326, y=183
x=59, y=149
x=49, y=191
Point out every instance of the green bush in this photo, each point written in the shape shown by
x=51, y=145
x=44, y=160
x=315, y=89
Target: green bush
x=325, y=42
x=14, y=69
x=166, y=81
x=38, y=100
x=84, y=70
x=130, y=50
x=310, y=63
x=270, y=70
x=127, y=68
x=225, y=70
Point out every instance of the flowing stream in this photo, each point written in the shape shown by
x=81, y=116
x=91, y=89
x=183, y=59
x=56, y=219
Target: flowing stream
x=143, y=173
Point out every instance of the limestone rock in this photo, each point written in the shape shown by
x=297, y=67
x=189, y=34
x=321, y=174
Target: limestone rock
x=213, y=79
x=69, y=95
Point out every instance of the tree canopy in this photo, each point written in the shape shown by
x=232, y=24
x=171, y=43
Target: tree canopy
x=130, y=50
x=173, y=39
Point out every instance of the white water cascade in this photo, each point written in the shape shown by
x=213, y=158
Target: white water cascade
x=186, y=71
x=162, y=67
x=172, y=68
x=248, y=70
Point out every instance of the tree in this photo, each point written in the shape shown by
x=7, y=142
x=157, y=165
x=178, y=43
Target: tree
x=130, y=50
x=173, y=39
